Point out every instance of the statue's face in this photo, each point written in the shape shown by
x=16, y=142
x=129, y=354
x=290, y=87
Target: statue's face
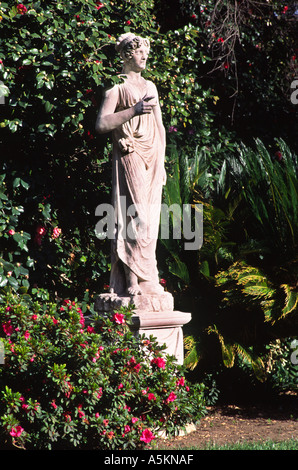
x=139, y=58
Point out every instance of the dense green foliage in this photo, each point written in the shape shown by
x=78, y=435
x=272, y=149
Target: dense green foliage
x=71, y=383
x=224, y=72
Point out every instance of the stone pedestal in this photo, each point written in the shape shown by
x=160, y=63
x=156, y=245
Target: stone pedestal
x=153, y=315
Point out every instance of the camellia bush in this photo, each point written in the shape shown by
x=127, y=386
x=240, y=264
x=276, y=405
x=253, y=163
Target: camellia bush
x=69, y=383
x=56, y=59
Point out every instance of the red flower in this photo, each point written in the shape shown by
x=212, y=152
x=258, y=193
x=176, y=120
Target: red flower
x=21, y=9
x=118, y=318
x=147, y=436
x=151, y=396
x=26, y=334
x=181, y=381
x=99, y=5
x=159, y=362
x=7, y=328
x=80, y=412
x=16, y=431
x=128, y=22
x=67, y=417
x=40, y=232
x=171, y=397
x=54, y=404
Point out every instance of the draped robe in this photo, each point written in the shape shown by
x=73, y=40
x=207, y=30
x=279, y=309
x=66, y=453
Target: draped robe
x=137, y=180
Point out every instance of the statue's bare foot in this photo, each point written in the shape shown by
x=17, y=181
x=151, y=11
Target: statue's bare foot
x=134, y=290
x=152, y=288
x=133, y=287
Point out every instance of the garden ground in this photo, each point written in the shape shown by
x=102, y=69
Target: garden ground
x=275, y=421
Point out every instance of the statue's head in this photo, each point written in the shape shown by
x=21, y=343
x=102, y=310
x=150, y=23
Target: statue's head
x=127, y=43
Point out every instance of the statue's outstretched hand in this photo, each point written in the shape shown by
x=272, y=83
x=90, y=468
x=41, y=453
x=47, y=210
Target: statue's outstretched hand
x=143, y=107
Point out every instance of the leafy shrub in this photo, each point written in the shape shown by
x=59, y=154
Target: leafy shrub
x=69, y=383
x=14, y=258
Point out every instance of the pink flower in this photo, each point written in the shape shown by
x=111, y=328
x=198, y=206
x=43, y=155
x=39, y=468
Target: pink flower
x=159, y=362
x=171, y=397
x=54, y=404
x=21, y=9
x=134, y=420
x=163, y=282
x=151, y=396
x=118, y=318
x=90, y=329
x=99, y=5
x=172, y=129
x=82, y=319
x=80, y=412
x=56, y=232
x=11, y=231
x=120, y=386
x=16, y=431
x=181, y=381
x=26, y=334
x=147, y=436
x=126, y=428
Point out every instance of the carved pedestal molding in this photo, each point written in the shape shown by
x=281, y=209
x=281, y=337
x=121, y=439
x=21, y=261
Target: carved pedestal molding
x=154, y=315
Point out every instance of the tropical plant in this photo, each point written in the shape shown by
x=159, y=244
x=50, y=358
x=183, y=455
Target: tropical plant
x=258, y=286
x=269, y=184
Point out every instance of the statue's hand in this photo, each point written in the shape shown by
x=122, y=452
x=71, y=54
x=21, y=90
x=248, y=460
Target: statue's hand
x=143, y=107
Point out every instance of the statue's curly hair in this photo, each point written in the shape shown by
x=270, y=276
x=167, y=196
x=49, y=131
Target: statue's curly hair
x=128, y=42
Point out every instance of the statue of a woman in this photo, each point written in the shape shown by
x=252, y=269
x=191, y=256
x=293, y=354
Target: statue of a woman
x=132, y=112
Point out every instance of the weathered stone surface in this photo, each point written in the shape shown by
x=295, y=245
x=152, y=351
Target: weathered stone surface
x=166, y=327
x=153, y=315
x=151, y=303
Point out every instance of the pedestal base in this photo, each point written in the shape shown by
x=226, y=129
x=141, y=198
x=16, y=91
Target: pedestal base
x=154, y=315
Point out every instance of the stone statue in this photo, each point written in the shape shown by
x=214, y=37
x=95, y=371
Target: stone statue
x=132, y=112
